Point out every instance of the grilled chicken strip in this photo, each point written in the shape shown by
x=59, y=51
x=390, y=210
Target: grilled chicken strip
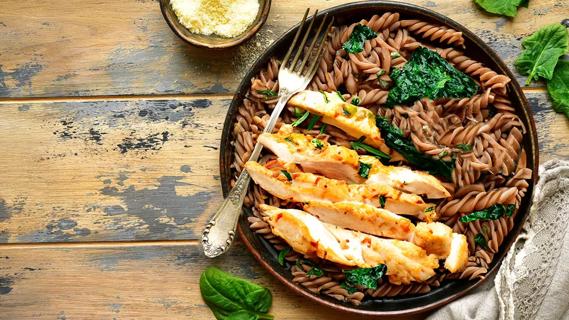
x=436, y=238
x=354, y=120
x=458, y=257
x=306, y=187
x=306, y=234
x=342, y=163
x=362, y=217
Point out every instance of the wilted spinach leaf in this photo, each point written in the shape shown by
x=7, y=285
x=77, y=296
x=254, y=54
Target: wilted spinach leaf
x=480, y=240
x=558, y=87
x=282, y=256
x=365, y=277
x=395, y=140
x=356, y=41
x=427, y=74
x=315, y=271
x=230, y=297
x=502, y=7
x=542, y=51
x=494, y=212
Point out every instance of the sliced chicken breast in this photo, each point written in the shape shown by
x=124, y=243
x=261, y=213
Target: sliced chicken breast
x=435, y=237
x=405, y=261
x=458, y=257
x=315, y=156
x=306, y=187
x=342, y=163
x=354, y=120
x=362, y=217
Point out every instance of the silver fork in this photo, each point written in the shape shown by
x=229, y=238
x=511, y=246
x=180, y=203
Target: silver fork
x=294, y=76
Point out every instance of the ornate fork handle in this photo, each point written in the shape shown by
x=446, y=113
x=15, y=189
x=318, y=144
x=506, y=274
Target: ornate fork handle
x=220, y=230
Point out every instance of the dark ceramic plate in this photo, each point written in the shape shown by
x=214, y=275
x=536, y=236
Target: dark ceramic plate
x=397, y=306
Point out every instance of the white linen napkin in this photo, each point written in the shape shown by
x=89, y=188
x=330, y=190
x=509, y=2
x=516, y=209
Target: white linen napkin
x=533, y=280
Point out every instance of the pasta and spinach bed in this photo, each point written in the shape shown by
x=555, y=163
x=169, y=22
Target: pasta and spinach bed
x=401, y=166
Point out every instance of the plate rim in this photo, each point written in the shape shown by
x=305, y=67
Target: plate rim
x=524, y=111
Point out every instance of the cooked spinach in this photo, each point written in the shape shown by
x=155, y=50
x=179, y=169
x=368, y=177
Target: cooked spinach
x=502, y=7
x=480, y=240
x=427, y=74
x=267, y=93
x=356, y=41
x=230, y=297
x=364, y=277
x=558, y=87
x=315, y=271
x=494, y=212
x=355, y=101
x=282, y=256
x=300, y=120
x=541, y=51
x=359, y=145
x=364, y=170
x=464, y=147
x=395, y=140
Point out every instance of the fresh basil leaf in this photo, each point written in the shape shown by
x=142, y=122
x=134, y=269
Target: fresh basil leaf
x=315, y=271
x=382, y=201
x=558, y=87
x=501, y=7
x=480, y=240
x=365, y=277
x=427, y=74
x=464, y=147
x=494, y=212
x=395, y=140
x=317, y=143
x=231, y=297
x=323, y=128
x=287, y=175
x=356, y=41
x=359, y=145
x=268, y=93
x=300, y=120
x=541, y=51
x=313, y=121
x=364, y=170
x=282, y=256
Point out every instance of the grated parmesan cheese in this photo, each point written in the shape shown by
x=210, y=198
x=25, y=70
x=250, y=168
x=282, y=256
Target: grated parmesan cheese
x=226, y=18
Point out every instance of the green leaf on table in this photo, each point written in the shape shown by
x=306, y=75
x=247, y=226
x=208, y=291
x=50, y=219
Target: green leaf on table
x=541, y=51
x=233, y=298
x=427, y=74
x=502, y=7
x=558, y=87
x=357, y=39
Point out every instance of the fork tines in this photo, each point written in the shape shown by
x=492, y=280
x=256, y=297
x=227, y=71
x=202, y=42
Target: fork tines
x=320, y=36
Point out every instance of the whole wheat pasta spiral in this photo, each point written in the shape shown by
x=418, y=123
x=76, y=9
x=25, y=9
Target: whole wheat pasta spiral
x=481, y=135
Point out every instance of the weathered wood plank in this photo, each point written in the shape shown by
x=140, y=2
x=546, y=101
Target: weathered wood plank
x=81, y=48
x=149, y=282
x=112, y=170
x=132, y=170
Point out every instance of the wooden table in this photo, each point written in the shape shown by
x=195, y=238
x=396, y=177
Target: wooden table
x=109, y=134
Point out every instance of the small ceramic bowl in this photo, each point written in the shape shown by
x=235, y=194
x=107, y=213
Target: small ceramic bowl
x=213, y=41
